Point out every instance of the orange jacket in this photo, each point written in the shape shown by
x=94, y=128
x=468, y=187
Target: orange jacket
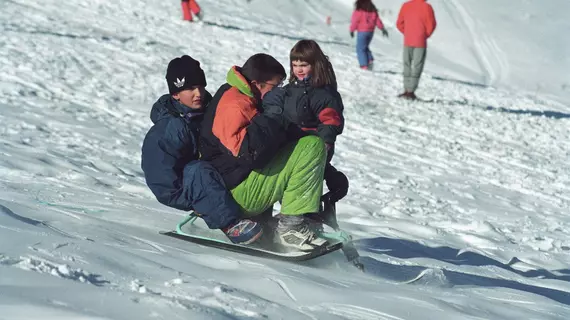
x=235, y=137
x=417, y=22
x=236, y=108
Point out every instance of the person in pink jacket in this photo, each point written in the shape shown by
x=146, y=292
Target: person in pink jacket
x=416, y=21
x=365, y=19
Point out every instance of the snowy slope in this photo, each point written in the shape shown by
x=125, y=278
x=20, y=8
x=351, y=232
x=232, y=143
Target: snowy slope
x=472, y=190
x=517, y=45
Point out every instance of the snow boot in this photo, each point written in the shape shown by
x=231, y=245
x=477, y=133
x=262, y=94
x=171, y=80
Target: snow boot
x=244, y=231
x=294, y=232
x=407, y=95
x=269, y=224
x=316, y=222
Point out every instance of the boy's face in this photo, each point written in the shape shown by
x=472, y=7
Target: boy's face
x=192, y=98
x=301, y=69
x=265, y=87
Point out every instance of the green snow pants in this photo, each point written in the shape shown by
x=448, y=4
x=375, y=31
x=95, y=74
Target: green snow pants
x=294, y=177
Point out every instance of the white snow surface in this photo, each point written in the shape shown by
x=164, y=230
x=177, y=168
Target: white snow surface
x=472, y=190
x=517, y=45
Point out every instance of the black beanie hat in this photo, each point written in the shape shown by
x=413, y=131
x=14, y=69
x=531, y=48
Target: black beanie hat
x=183, y=73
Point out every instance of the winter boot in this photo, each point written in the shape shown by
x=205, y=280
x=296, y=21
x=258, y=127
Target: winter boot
x=407, y=95
x=269, y=224
x=294, y=232
x=316, y=222
x=244, y=231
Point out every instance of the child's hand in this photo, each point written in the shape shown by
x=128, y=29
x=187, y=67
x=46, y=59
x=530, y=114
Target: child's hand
x=273, y=106
x=275, y=112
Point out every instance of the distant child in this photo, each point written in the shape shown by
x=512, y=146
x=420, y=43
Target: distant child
x=170, y=155
x=311, y=101
x=365, y=19
x=416, y=21
x=190, y=7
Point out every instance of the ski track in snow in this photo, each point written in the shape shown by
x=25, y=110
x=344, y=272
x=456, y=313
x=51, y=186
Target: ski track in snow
x=458, y=207
x=491, y=58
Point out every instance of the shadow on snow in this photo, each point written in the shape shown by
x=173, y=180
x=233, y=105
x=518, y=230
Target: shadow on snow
x=405, y=249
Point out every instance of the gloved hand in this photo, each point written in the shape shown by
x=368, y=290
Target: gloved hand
x=337, y=183
x=275, y=112
x=385, y=32
x=273, y=105
x=352, y=34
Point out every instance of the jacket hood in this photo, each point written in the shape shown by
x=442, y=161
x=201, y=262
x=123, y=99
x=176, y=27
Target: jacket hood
x=167, y=106
x=235, y=79
x=306, y=84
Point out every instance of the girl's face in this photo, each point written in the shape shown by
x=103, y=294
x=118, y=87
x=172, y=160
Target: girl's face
x=301, y=69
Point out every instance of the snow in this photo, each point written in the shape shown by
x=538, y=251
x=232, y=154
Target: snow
x=471, y=191
x=490, y=43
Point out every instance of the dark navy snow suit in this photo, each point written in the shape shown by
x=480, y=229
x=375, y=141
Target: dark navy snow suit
x=172, y=169
x=317, y=110
x=313, y=109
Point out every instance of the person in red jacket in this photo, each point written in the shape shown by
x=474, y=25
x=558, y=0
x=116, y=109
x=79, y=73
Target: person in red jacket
x=190, y=7
x=416, y=21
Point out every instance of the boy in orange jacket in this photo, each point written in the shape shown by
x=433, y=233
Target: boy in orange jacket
x=190, y=7
x=416, y=21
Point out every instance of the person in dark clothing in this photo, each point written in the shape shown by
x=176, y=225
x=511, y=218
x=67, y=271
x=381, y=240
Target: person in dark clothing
x=312, y=102
x=258, y=160
x=170, y=155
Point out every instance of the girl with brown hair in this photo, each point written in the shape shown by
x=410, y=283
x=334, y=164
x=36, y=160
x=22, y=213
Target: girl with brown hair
x=365, y=19
x=311, y=101
x=308, y=61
